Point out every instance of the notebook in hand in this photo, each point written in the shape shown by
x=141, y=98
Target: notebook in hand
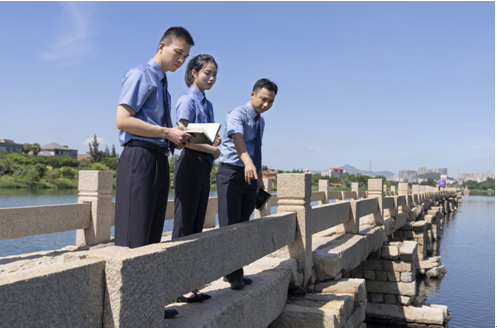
x=203, y=133
x=262, y=198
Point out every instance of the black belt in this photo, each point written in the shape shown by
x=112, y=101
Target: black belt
x=234, y=167
x=148, y=145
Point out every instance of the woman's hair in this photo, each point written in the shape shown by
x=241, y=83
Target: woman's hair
x=197, y=63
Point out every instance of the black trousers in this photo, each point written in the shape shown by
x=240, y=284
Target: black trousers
x=191, y=192
x=142, y=187
x=236, y=202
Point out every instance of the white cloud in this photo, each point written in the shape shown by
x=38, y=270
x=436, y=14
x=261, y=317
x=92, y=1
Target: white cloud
x=101, y=143
x=293, y=148
x=73, y=34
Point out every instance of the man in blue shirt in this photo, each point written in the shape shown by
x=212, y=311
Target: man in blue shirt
x=144, y=120
x=239, y=177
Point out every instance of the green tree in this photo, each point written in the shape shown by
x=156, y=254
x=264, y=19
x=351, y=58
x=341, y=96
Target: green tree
x=36, y=148
x=96, y=154
x=113, y=152
x=26, y=148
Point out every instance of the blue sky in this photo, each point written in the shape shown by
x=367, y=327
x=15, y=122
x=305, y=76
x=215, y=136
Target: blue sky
x=403, y=84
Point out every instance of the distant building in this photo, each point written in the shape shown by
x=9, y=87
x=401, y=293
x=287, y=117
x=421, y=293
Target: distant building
x=333, y=171
x=269, y=174
x=409, y=175
x=83, y=157
x=443, y=171
x=423, y=170
x=9, y=146
x=434, y=170
x=54, y=149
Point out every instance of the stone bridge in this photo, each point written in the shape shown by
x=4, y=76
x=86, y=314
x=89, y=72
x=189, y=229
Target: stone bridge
x=338, y=264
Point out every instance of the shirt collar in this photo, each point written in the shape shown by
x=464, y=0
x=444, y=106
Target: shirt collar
x=196, y=92
x=251, y=110
x=156, y=69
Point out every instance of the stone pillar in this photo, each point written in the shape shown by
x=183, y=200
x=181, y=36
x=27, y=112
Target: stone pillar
x=294, y=195
x=404, y=191
x=95, y=187
x=392, y=189
x=355, y=187
x=385, y=191
x=415, y=191
x=324, y=185
x=268, y=183
x=375, y=190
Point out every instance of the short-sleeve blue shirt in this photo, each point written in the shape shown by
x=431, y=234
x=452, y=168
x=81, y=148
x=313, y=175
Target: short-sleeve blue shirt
x=142, y=90
x=240, y=120
x=192, y=107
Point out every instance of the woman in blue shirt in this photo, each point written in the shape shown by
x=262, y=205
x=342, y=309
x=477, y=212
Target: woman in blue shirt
x=193, y=168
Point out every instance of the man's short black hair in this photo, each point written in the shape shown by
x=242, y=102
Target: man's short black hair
x=176, y=32
x=267, y=84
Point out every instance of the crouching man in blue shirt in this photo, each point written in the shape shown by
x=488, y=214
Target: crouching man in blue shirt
x=148, y=137
x=239, y=177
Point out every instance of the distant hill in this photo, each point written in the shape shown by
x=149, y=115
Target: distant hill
x=352, y=170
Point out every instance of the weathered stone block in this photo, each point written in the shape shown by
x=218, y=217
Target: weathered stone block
x=390, y=298
x=386, y=265
x=436, y=271
x=408, y=276
x=381, y=275
x=408, y=251
x=390, y=252
x=405, y=300
x=376, y=298
x=369, y=275
x=393, y=276
x=376, y=255
x=386, y=287
x=64, y=295
x=357, y=287
x=408, y=313
x=345, y=251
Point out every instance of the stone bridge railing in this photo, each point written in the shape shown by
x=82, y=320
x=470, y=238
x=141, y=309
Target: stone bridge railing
x=121, y=287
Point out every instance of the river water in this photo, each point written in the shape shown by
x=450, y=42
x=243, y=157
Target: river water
x=467, y=249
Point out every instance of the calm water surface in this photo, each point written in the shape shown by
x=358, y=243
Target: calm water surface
x=467, y=249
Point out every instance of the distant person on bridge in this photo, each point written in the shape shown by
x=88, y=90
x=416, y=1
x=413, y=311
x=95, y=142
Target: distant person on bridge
x=192, y=173
x=239, y=177
x=148, y=137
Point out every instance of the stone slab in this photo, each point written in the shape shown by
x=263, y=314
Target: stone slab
x=387, y=287
x=256, y=305
x=357, y=287
x=424, y=315
x=344, y=251
x=62, y=295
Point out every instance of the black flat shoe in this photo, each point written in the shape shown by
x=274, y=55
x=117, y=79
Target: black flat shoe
x=170, y=313
x=193, y=299
x=204, y=296
x=237, y=284
x=246, y=281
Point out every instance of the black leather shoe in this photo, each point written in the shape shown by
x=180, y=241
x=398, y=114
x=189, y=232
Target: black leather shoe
x=247, y=281
x=204, y=296
x=237, y=284
x=170, y=313
x=193, y=299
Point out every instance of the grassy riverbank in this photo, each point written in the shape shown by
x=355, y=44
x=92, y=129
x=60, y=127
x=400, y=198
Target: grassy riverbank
x=43, y=172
